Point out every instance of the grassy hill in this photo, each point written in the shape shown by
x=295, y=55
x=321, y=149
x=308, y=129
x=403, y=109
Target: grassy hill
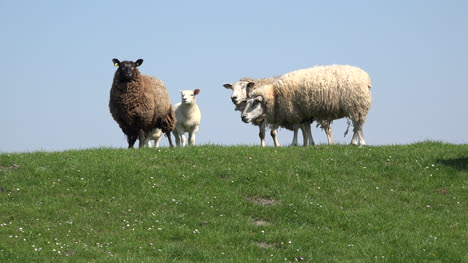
x=237, y=204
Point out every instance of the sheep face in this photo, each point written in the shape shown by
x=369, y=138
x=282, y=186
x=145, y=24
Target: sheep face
x=239, y=92
x=254, y=109
x=188, y=96
x=127, y=69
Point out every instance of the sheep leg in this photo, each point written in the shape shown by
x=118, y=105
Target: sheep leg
x=156, y=142
x=191, y=138
x=182, y=138
x=131, y=139
x=354, y=139
x=295, y=131
x=177, y=137
x=356, y=128
x=192, y=135
x=274, y=135
x=168, y=134
x=307, y=134
x=361, y=136
x=142, y=138
x=328, y=131
x=261, y=134
x=149, y=144
x=305, y=138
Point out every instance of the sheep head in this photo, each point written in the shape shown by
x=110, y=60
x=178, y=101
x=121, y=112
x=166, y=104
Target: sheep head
x=188, y=96
x=254, y=109
x=239, y=92
x=127, y=70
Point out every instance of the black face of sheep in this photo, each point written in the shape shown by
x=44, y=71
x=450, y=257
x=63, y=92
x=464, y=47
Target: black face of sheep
x=253, y=110
x=127, y=69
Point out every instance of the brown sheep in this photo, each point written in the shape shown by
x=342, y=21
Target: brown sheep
x=140, y=103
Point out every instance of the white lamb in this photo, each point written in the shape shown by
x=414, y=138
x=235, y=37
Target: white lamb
x=188, y=117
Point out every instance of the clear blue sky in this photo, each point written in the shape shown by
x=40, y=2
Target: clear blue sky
x=56, y=69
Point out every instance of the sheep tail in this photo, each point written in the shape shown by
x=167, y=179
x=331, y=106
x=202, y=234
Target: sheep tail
x=347, y=129
x=169, y=122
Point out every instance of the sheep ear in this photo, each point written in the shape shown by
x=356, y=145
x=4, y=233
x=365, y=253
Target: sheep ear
x=228, y=86
x=139, y=62
x=250, y=86
x=196, y=91
x=116, y=62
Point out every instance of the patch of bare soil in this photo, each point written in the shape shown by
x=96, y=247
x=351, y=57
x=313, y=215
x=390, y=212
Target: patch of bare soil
x=261, y=222
x=265, y=245
x=4, y=168
x=262, y=201
x=442, y=191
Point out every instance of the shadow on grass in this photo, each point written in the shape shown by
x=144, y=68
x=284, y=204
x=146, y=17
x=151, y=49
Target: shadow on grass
x=460, y=164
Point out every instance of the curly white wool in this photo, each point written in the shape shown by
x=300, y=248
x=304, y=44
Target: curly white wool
x=188, y=117
x=317, y=93
x=239, y=97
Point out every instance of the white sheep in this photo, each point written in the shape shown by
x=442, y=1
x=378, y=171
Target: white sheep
x=317, y=93
x=239, y=98
x=154, y=136
x=188, y=117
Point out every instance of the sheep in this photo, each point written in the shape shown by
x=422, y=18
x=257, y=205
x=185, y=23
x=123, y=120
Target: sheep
x=321, y=92
x=239, y=97
x=188, y=117
x=139, y=103
x=155, y=135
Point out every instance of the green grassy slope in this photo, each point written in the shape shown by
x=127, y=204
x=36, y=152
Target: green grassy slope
x=236, y=204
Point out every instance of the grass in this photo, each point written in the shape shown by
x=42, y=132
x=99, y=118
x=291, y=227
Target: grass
x=404, y=203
